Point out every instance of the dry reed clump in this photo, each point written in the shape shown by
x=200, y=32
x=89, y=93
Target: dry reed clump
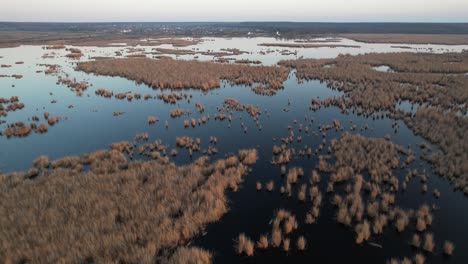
x=259, y=186
x=178, y=74
x=286, y=244
x=301, y=243
x=363, y=232
x=10, y=105
x=231, y=104
x=244, y=245
x=178, y=112
x=429, y=242
x=301, y=195
x=172, y=97
x=397, y=261
x=449, y=247
x=419, y=259
x=416, y=241
x=200, y=107
x=248, y=157
x=19, y=129
x=75, y=53
x=117, y=211
x=270, y=185
x=104, y=93
x=293, y=174
x=152, y=120
x=276, y=237
x=192, y=144
x=262, y=243
x=423, y=218
x=402, y=220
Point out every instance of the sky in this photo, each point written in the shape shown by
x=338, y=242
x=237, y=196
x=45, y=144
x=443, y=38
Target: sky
x=234, y=10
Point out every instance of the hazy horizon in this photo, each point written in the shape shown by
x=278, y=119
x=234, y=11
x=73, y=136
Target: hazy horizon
x=433, y=11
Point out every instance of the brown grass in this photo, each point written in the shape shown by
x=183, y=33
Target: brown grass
x=118, y=211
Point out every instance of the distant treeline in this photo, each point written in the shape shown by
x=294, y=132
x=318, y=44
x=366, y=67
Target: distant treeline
x=264, y=27
x=321, y=28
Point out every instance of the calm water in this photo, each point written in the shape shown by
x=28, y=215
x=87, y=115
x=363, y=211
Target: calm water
x=90, y=126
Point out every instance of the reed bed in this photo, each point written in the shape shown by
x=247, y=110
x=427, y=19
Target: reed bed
x=115, y=211
x=178, y=74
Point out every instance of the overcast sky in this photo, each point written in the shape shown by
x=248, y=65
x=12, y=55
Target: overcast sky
x=235, y=10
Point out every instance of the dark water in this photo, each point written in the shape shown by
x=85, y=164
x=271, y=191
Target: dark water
x=90, y=126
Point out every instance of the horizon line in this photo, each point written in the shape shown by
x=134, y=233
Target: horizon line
x=246, y=21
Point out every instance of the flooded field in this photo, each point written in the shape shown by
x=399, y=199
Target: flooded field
x=338, y=209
